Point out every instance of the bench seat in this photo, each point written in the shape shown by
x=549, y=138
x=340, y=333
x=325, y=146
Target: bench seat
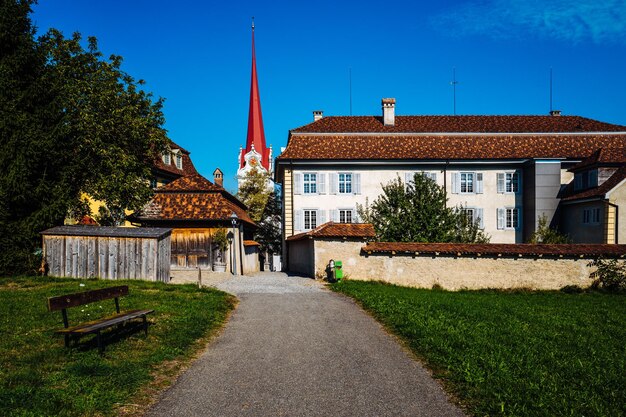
x=97, y=325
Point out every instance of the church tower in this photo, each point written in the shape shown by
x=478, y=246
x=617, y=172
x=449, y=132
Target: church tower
x=256, y=154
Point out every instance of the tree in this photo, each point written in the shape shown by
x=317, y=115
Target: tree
x=254, y=193
x=264, y=208
x=418, y=212
x=70, y=123
x=269, y=234
x=545, y=234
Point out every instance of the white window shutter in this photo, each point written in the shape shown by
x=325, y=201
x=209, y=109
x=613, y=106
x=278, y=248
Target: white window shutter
x=408, y=177
x=321, y=217
x=501, y=213
x=501, y=185
x=479, y=183
x=333, y=179
x=298, y=221
x=481, y=218
x=356, y=187
x=334, y=216
x=297, y=183
x=456, y=183
x=355, y=217
x=321, y=183
x=433, y=176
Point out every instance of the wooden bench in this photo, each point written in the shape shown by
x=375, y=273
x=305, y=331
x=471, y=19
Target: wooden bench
x=64, y=302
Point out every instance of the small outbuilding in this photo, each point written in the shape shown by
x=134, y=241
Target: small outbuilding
x=108, y=252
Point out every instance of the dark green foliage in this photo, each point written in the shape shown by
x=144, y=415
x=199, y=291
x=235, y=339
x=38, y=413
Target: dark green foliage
x=70, y=123
x=517, y=353
x=264, y=208
x=40, y=377
x=610, y=274
x=547, y=235
x=37, y=180
x=269, y=233
x=417, y=212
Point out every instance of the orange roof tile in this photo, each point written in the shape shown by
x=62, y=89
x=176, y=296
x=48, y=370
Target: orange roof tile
x=341, y=230
x=459, y=124
x=604, y=157
x=355, y=147
x=192, y=198
x=495, y=249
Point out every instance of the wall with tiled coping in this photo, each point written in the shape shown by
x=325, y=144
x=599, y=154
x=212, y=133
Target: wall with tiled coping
x=455, y=271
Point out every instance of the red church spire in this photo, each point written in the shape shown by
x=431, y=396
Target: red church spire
x=256, y=134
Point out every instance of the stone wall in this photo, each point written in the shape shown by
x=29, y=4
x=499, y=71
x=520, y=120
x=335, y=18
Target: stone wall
x=450, y=271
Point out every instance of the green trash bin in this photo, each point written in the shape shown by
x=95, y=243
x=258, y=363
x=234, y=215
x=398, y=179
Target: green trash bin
x=338, y=270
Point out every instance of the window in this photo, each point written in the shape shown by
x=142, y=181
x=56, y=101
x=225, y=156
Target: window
x=473, y=215
x=345, y=183
x=345, y=216
x=469, y=214
x=309, y=183
x=508, y=182
x=591, y=216
x=153, y=183
x=508, y=218
x=587, y=179
x=511, y=182
x=310, y=219
x=467, y=182
x=167, y=160
x=512, y=221
x=179, y=161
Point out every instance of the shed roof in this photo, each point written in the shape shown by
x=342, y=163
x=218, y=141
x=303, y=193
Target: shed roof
x=108, y=231
x=338, y=230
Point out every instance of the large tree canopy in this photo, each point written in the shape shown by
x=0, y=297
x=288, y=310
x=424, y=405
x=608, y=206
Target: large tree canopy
x=264, y=208
x=418, y=212
x=71, y=122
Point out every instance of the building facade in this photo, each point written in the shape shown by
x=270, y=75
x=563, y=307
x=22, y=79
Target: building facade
x=506, y=171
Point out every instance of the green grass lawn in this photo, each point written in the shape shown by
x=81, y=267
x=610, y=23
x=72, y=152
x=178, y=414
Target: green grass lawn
x=40, y=377
x=512, y=353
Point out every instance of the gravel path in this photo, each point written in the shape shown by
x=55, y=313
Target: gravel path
x=293, y=348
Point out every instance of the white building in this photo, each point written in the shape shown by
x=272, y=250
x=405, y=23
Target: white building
x=506, y=170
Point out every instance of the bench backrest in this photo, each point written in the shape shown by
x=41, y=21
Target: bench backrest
x=81, y=298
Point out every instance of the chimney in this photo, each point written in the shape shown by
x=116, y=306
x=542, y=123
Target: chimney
x=218, y=177
x=389, y=111
x=555, y=112
x=317, y=114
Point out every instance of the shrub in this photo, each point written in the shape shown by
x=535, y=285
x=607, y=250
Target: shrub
x=609, y=274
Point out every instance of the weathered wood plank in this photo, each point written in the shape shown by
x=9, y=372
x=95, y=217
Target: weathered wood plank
x=112, y=267
x=92, y=259
x=86, y=297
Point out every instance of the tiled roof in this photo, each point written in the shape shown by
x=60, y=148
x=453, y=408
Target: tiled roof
x=460, y=124
x=251, y=243
x=604, y=157
x=597, y=192
x=191, y=183
x=436, y=147
x=192, y=198
x=496, y=249
x=340, y=230
x=188, y=167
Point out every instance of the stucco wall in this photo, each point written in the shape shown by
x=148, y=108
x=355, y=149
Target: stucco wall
x=454, y=273
x=572, y=222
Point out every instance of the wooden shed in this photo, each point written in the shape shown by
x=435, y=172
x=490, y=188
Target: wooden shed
x=108, y=252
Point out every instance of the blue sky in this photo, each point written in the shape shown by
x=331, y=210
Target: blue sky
x=196, y=54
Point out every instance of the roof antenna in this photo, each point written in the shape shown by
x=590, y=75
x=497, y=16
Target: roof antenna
x=454, y=82
x=350, y=91
x=253, y=23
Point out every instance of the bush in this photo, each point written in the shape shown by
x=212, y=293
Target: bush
x=609, y=275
